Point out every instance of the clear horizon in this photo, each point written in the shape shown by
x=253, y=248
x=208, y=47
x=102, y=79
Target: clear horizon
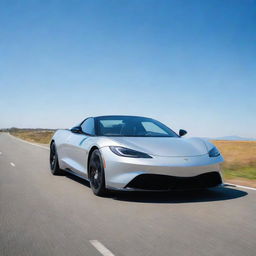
x=188, y=64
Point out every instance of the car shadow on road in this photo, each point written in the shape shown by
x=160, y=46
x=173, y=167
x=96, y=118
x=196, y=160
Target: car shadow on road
x=208, y=195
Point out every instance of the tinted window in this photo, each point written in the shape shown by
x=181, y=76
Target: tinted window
x=88, y=126
x=132, y=126
x=151, y=127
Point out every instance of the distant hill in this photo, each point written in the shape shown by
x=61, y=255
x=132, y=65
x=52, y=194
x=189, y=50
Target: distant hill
x=233, y=138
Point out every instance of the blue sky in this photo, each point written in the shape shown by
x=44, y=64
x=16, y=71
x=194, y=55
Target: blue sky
x=190, y=64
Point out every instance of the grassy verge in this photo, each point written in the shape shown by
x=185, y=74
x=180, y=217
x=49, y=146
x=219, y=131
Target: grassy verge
x=240, y=160
x=37, y=136
x=248, y=172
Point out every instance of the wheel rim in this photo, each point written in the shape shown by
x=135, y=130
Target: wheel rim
x=52, y=157
x=96, y=172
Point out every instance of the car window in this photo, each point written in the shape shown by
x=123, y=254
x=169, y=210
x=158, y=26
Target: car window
x=131, y=126
x=111, y=123
x=150, y=127
x=111, y=127
x=88, y=126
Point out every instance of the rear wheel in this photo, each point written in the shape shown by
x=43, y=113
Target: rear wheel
x=96, y=173
x=54, y=162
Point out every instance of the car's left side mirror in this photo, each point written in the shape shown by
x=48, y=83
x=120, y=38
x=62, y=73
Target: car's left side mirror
x=76, y=129
x=182, y=132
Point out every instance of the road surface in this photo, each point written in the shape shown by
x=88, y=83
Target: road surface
x=41, y=214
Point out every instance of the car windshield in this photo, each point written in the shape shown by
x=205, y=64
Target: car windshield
x=131, y=126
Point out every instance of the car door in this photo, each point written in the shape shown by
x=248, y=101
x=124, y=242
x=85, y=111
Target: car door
x=78, y=146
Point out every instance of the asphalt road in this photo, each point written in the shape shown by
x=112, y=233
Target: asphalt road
x=41, y=214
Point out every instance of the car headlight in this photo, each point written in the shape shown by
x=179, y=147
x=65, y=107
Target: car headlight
x=214, y=152
x=127, y=152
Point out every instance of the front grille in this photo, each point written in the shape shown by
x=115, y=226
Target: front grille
x=166, y=182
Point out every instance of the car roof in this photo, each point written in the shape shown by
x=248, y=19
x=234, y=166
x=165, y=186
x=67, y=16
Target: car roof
x=120, y=116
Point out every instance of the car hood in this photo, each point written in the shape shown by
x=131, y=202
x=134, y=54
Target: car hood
x=163, y=146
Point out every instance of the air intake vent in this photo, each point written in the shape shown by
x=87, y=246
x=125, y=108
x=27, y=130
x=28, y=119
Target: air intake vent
x=166, y=182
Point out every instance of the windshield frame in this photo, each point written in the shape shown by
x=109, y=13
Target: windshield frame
x=117, y=117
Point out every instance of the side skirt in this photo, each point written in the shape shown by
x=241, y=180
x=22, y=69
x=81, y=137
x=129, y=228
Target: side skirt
x=77, y=174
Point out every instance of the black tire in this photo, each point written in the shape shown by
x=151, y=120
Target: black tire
x=54, y=162
x=97, y=174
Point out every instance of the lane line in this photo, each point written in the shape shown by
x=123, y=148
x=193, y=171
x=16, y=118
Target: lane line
x=240, y=186
x=12, y=164
x=101, y=248
x=34, y=144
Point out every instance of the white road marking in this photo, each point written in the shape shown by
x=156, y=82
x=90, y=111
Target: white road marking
x=0, y=153
x=240, y=186
x=12, y=164
x=34, y=144
x=101, y=248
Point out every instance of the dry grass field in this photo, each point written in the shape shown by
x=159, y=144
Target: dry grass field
x=240, y=156
x=37, y=136
x=240, y=161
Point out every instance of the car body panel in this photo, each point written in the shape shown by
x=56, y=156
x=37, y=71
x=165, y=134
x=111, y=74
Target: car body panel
x=164, y=146
x=120, y=170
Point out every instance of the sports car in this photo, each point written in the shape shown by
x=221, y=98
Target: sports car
x=134, y=153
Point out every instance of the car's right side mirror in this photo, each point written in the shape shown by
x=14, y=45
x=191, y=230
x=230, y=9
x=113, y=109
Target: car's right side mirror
x=182, y=132
x=76, y=129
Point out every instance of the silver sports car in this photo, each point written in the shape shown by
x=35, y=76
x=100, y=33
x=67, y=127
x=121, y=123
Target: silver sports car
x=134, y=153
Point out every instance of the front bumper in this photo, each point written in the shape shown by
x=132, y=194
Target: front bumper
x=160, y=173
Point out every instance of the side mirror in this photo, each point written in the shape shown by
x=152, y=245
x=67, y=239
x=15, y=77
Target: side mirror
x=76, y=129
x=182, y=132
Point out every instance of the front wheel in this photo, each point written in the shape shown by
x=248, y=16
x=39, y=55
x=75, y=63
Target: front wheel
x=54, y=162
x=96, y=173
